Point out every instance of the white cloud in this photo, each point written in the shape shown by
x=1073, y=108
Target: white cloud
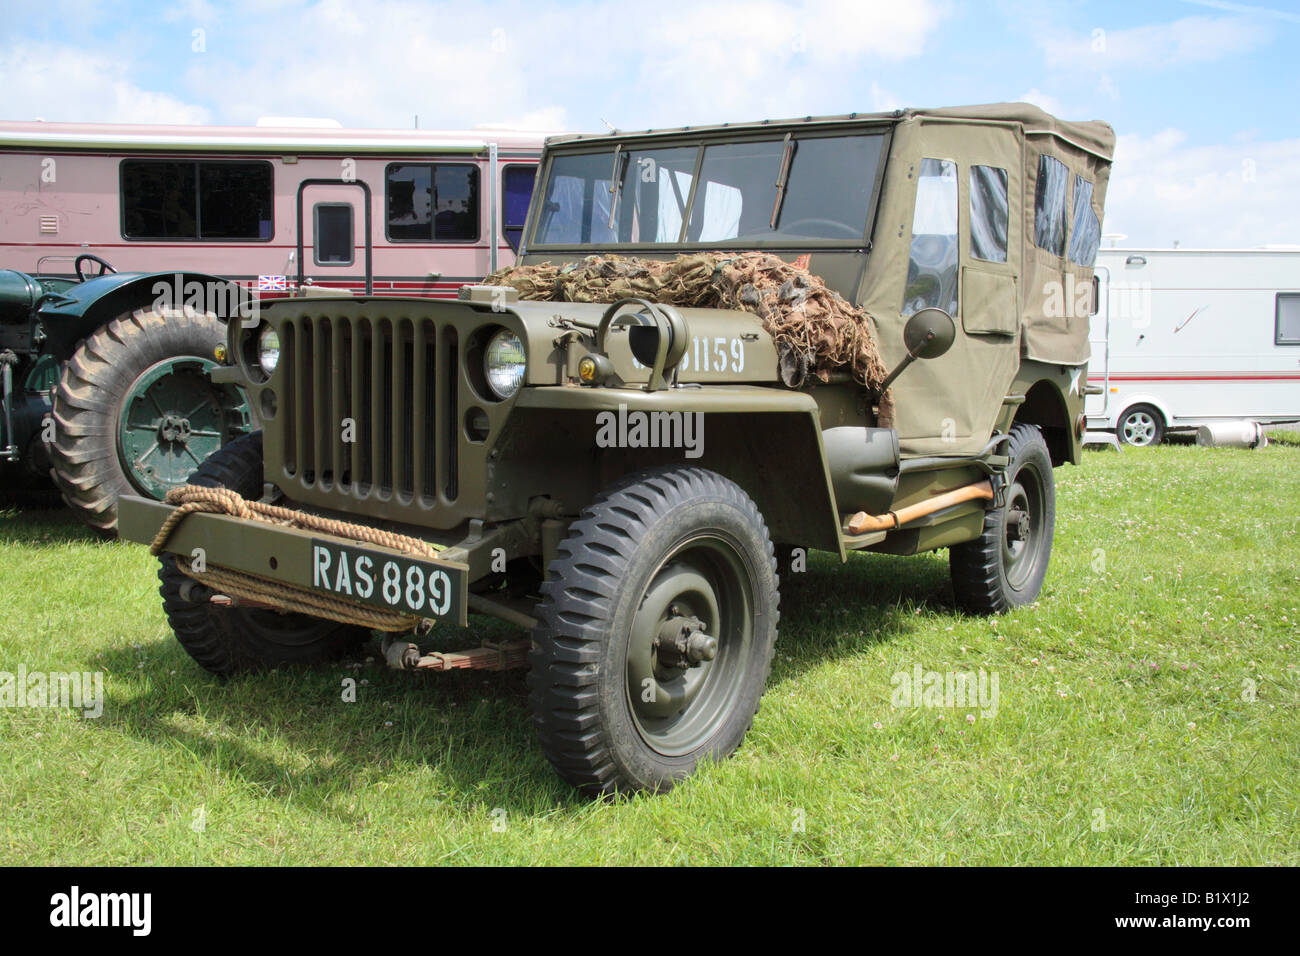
x=380, y=63
x=666, y=64
x=1235, y=195
x=1042, y=100
x=733, y=61
x=882, y=100
x=548, y=119
x=60, y=83
x=1197, y=39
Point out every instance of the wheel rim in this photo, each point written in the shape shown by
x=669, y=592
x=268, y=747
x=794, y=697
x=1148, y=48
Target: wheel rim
x=1139, y=428
x=171, y=419
x=1023, y=526
x=676, y=701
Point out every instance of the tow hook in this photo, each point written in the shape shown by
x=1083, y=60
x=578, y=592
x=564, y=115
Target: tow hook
x=681, y=642
x=400, y=654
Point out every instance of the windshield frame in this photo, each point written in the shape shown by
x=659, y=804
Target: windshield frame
x=699, y=139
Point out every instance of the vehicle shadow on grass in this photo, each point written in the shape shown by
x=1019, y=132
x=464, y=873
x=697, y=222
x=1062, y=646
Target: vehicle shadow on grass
x=831, y=610
x=40, y=518
x=466, y=735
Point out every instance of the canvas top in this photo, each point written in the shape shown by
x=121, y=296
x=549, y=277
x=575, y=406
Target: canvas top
x=1094, y=136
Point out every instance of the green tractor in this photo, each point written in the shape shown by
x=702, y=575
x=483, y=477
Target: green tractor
x=105, y=382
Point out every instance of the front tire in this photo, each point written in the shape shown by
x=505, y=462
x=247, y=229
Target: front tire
x=626, y=692
x=135, y=413
x=1005, y=566
x=232, y=640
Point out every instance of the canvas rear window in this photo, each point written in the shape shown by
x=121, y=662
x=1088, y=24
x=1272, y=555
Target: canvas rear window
x=1085, y=234
x=1049, y=205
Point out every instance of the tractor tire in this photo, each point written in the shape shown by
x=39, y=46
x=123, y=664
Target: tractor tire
x=232, y=640
x=1005, y=566
x=626, y=693
x=135, y=413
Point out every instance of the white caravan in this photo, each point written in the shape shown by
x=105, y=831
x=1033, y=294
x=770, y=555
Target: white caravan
x=1188, y=337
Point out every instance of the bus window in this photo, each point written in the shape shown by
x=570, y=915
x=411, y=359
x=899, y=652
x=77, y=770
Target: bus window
x=432, y=202
x=187, y=199
x=517, y=187
x=333, y=233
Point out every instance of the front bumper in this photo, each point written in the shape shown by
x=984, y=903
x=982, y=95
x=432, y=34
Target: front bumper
x=289, y=555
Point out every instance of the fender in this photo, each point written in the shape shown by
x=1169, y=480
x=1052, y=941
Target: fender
x=68, y=316
x=767, y=440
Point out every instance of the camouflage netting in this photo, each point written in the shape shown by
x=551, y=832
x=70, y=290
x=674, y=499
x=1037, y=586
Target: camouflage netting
x=796, y=308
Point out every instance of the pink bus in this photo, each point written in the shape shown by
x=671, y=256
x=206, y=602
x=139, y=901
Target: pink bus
x=393, y=212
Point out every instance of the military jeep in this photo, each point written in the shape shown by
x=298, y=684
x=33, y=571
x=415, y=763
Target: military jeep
x=623, y=479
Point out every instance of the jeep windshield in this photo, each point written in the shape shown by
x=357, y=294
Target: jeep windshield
x=790, y=190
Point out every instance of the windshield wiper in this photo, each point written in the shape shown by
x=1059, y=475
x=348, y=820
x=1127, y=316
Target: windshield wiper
x=782, y=177
x=616, y=181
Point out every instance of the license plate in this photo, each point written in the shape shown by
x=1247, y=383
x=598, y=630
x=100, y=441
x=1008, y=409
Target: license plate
x=397, y=583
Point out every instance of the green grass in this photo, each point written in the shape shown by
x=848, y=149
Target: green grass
x=1173, y=584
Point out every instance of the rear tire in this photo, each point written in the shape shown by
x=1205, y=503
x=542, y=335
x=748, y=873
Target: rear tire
x=143, y=365
x=618, y=707
x=1141, y=425
x=231, y=640
x=1005, y=566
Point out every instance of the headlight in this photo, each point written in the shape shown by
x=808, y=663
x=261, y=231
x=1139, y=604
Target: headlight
x=268, y=350
x=504, y=363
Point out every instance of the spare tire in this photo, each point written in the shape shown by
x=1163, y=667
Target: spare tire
x=136, y=413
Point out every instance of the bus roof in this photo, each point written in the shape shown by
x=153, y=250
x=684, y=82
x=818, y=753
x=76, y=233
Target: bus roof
x=268, y=139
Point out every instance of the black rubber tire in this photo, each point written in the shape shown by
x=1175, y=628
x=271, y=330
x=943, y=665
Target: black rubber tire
x=1157, y=425
x=84, y=460
x=981, y=580
x=226, y=640
x=578, y=665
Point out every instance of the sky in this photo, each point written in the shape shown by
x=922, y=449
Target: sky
x=1203, y=94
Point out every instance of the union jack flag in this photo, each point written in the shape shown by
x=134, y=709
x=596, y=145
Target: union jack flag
x=272, y=284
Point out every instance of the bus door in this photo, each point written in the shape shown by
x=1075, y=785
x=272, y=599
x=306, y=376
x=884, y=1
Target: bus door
x=335, y=239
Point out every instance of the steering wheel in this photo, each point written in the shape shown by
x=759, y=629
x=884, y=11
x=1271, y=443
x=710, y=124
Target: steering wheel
x=104, y=267
x=834, y=224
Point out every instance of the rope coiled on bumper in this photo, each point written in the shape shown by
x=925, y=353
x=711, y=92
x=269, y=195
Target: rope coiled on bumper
x=190, y=499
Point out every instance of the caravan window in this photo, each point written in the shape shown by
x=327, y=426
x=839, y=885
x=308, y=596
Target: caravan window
x=932, y=266
x=1049, y=205
x=188, y=199
x=432, y=202
x=1085, y=234
x=988, y=213
x=1288, y=319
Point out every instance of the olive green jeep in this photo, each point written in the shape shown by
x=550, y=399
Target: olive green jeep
x=625, y=477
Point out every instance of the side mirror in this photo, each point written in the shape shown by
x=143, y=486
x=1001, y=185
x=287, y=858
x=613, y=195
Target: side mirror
x=927, y=335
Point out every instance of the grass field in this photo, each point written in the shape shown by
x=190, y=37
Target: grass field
x=1146, y=713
